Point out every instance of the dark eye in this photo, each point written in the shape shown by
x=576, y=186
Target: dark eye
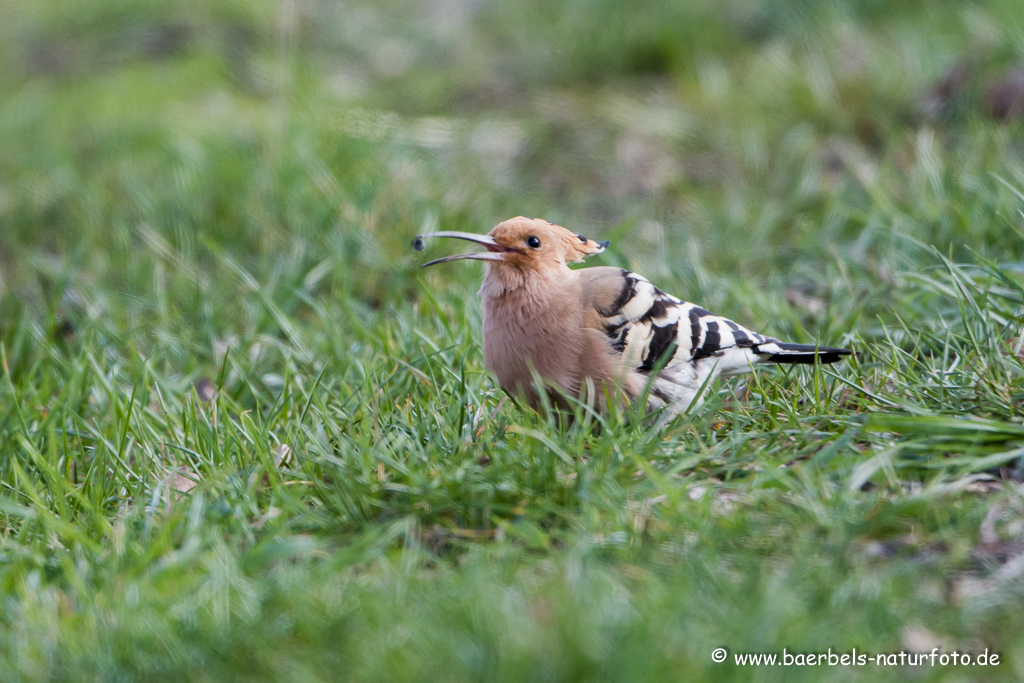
x=582, y=239
x=533, y=242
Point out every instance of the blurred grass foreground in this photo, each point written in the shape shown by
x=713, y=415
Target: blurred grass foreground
x=242, y=436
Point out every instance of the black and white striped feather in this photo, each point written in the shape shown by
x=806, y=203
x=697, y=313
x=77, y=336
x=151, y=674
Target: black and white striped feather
x=688, y=344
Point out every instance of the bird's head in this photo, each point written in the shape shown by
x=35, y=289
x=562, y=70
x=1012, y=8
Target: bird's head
x=525, y=244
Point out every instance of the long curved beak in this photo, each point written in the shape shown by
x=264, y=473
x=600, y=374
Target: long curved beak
x=493, y=253
x=475, y=256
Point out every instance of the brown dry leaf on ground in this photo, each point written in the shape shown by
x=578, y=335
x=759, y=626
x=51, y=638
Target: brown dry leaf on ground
x=270, y=514
x=184, y=480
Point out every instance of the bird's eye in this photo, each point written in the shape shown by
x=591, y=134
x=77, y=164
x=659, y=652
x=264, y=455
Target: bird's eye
x=582, y=239
x=533, y=242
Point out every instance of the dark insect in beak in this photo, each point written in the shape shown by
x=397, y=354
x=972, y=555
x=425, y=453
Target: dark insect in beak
x=604, y=244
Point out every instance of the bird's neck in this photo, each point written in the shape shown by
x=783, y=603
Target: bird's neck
x=508, y=282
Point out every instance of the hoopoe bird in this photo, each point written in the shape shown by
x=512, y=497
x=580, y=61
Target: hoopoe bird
x=594, y=330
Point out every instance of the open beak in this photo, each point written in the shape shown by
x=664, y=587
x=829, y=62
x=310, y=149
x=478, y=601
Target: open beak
x=493, y=253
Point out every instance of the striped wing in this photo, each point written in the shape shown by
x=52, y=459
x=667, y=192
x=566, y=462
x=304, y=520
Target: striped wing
x=652, y=329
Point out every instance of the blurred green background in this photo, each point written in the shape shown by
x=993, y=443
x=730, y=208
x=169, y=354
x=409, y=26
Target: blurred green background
x=242, y=436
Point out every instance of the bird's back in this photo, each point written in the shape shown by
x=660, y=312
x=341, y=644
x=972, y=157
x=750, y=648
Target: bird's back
x=677, y=345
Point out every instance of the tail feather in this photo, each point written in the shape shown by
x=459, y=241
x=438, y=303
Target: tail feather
x=808, y=354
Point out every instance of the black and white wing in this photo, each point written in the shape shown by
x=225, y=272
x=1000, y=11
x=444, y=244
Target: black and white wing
x=653, y=329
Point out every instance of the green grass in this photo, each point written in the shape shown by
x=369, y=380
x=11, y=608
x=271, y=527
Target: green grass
x=242, y=436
